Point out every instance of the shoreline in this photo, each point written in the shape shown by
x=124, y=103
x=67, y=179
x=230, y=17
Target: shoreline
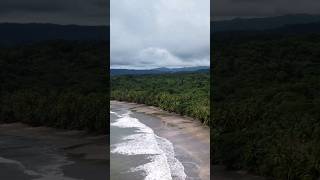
x=171, y=118
x=182, y=130
x=198, y=131
x=49, y=153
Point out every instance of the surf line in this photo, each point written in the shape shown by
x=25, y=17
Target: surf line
x=159, y=151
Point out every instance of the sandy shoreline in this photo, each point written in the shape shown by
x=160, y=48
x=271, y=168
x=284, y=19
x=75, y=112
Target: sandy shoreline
x=197, y=143
x=198, y=133
x=48, y=153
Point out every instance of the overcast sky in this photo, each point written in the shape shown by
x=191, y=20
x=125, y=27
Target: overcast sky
x=228, y=9
x=83, y=12
x=148, y=34
x=93, y=12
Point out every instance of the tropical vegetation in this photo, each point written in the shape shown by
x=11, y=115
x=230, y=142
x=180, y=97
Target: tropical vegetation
x=62, y=84
x=182, y=93
x=266, y=104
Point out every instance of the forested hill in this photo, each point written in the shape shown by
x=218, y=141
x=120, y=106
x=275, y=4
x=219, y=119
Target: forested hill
x=263, y=23
x=273, y=34
x=266, y=103
x=13, y=33
x=116, y=72
x=60, y=83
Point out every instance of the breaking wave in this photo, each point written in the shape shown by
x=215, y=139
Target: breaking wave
x=160, y=152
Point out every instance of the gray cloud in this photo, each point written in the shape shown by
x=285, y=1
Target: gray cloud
x=221, y=9
x=87, y=12
x=149, y=34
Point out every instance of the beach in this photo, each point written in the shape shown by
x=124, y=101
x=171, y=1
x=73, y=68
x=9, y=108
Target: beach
x=191, y=141
x=189, y=138
x=42, y=153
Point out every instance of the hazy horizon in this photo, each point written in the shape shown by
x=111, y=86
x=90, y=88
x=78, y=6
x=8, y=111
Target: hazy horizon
x=228, y=18
x=119, y=68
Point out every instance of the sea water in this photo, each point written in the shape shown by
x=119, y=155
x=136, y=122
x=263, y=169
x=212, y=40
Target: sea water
x=137, y=153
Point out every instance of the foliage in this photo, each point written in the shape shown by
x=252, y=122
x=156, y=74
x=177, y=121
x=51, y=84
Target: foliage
x=182, y=93
x=58, y=83
x=266, y=110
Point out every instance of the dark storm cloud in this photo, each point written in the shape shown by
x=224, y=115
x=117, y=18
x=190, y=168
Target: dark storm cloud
x=87, y=12
x=7, y=7
x=221, y=9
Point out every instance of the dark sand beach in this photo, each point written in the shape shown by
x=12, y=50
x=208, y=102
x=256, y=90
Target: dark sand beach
x=42, y=153
x=191, y=140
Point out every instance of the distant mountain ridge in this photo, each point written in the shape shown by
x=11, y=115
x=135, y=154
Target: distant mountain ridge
x=14, y=33
x=263, y=23
x=116, y=72
x=285, y=31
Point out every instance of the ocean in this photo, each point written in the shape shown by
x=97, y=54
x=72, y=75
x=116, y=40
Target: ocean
x=138, y=153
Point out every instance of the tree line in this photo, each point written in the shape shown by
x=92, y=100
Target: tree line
x=182, y=93
x=266, y=105
x=61, y=84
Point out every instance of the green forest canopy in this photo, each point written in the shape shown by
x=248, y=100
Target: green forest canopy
x=266, y=105
x=182, y=93
x=61, y=84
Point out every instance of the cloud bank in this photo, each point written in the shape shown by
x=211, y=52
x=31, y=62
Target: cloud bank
x=148, y=34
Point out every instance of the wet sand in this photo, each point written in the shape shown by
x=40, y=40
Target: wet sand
x=49, y=154
x=190, y=138
x=187, y=135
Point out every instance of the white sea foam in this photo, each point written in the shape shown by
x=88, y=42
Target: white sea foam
x=48, y=172
x=177, y=169
x=163, y=165
x=116, y=114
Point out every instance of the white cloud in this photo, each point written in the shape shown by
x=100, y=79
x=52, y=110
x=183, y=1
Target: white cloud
x=156, y=33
